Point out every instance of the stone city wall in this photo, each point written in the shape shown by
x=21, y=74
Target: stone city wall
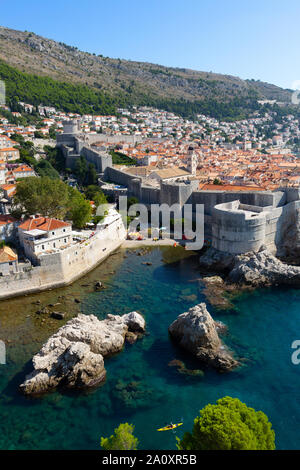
x=64, y=267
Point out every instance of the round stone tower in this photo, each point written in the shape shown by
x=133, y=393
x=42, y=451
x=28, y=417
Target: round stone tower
x=71, y=127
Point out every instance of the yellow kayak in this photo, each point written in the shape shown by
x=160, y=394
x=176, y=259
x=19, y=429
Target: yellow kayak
x=170, y=427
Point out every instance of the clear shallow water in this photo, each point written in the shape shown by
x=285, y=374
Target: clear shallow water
x=141, y=387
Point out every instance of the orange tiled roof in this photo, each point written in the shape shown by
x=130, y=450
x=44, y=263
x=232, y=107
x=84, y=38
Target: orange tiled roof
x=43, y=223
x=228, y=187
x=7, y=219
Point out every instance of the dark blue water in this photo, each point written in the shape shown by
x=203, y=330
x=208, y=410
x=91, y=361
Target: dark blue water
x=141, y=387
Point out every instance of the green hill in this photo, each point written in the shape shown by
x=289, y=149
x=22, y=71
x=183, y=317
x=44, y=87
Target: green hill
x=33, y=67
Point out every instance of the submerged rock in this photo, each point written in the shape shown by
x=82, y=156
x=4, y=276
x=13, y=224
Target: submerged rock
x=58, y=315
x=196, y=331
x=73, y=357
x=182, y=369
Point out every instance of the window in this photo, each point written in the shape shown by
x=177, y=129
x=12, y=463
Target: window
x=65, y=240
x=43, y=247
x=54, y=245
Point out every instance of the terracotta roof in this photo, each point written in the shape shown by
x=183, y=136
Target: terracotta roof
x=7, y=255
x=7, y=219
x=228, y=187
x=43, y=223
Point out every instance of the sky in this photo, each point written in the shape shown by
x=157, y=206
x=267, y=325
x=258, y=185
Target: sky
x=247, y=38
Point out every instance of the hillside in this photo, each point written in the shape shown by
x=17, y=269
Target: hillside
x=127, y=82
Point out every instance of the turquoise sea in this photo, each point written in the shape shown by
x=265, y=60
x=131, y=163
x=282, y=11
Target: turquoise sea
x=141, y=387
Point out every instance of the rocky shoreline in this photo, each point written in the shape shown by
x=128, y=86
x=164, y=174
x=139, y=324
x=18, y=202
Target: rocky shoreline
x=243, y=272
x=74, y=356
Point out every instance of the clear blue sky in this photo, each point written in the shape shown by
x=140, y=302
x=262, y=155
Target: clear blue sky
x=248, y=38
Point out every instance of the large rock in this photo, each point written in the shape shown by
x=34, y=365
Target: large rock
x=73, y=357
x=196, y=331
x=263, y=268
x=215, y=260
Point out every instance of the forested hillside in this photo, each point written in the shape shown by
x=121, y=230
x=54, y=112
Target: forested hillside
x=33, y=68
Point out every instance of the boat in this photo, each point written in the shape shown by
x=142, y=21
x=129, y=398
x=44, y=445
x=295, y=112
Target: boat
x=169, y=427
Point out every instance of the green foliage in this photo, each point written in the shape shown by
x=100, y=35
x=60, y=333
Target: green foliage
x=82, y=99
x=122, y=439
x=44, y=168
x=80, y=170
x=69, y=97
x=91, y=175
x=85, y=173
x=94, y=193
x=131, y=201
x=52, y=198
x=45, y=196
x=55, y=156
x=80, y=210
x=229, y=425
x=119, y=158
x=39, y=135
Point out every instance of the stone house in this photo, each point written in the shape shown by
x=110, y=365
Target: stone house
x=43, y=235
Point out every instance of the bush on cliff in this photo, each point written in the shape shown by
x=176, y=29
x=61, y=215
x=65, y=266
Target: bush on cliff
x=122, y=439
x=229, y=425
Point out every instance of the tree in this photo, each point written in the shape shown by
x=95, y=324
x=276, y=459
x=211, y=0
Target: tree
x=91, y=176
x=122, y=439
x=80, y=210
x=229, y=425
x=56, y=157
x=94, y=193
x=45, y=196
x=44, y=168
x=39, y=135
x=52, y=198
x=80, y=169
x=131, y=201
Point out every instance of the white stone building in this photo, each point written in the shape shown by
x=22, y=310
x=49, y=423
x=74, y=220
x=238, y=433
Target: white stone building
x=39, y=235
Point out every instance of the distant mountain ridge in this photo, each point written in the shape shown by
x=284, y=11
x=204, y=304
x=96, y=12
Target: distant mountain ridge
x=135, y=82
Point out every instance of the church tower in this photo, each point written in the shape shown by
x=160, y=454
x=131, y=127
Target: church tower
x=192, y=161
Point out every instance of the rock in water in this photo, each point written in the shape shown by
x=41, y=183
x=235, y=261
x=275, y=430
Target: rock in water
x=196, y=332
x=263, y=268
x=73, y=357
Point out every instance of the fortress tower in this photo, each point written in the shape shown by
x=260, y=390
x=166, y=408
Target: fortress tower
x=71, y=127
